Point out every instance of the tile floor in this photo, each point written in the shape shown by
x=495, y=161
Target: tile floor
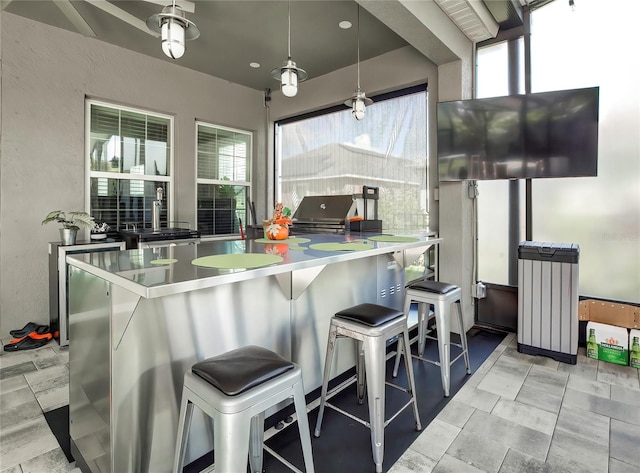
x=517, y=413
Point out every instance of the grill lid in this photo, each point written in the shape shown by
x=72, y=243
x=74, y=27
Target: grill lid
x=323, y=209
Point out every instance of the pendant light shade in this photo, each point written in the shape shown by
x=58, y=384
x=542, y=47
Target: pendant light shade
x=174, y=29
x=289, y=74
x=172, y=39
x=359, y=100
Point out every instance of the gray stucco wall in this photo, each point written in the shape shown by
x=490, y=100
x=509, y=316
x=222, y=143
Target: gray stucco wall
x=46, y=75
x=48, y=72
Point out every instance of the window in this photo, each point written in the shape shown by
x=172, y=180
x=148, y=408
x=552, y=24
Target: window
x=331, y=153
x=492, y=80
x=601, y=214
x=224, y=185
x=130, y=157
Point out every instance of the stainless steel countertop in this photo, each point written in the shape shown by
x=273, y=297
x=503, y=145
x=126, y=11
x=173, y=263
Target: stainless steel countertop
x=132, y=269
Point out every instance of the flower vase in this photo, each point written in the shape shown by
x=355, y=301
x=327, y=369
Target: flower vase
x=68, y=236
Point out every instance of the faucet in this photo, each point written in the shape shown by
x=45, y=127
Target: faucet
x=156, y=206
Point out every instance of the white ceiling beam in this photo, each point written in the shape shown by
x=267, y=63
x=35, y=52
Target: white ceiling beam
x=74, y=17
x=122, y=14
x=424, y=26
x=472, y=17
x=4, y=4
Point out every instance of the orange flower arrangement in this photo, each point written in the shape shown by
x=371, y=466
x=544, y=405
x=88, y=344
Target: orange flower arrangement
x=278, y=227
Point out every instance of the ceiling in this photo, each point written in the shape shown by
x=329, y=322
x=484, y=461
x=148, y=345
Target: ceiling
x=234, y=34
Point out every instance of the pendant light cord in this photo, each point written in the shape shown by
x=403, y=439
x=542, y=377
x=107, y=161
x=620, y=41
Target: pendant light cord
x=289, y=32
x=358, y=43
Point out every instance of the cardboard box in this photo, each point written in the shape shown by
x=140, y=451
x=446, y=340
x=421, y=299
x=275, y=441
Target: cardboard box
x=611, y=313
x=634, y=348
x=608, y=343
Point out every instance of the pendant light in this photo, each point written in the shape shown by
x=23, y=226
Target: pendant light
x=289, y=74
x=359, y=99
x=174, y=28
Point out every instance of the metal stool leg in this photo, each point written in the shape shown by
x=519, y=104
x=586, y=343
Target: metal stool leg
x=463, y=337
x=184, y=423
x=256, y=438
x=361, y=372
x=303, y=426
x=443, y=325
x=408, y=366
x=374, y=358
x=423, y=320
x=407, y=346
x=231, y=443
x=325, y=378
x=400, y=351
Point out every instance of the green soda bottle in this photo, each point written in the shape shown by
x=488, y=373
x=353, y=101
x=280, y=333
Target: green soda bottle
x=592, y=346
x=635, y=353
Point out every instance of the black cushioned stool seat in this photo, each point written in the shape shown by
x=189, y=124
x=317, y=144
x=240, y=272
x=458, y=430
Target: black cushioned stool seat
x=235, y=389
x=436, y=287
x=372, y=315
x=370, y=326
x=238, y=370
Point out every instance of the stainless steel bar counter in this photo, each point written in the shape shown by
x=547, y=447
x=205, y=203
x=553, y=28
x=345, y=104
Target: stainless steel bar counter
x=139, y=319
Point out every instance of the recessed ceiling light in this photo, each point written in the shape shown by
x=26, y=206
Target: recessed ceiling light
x=345, y=25
x=255, y=65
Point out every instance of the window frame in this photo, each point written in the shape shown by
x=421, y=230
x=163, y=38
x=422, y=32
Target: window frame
x=89, y=173
x=247, y=184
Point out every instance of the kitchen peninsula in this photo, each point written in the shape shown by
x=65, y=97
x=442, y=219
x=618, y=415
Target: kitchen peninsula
x=140, y=318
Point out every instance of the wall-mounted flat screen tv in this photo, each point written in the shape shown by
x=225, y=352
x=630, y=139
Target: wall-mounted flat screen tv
x=547, y=134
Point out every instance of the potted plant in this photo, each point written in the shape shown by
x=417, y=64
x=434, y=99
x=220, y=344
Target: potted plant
x=99, y=231
x=225, y=215
x=71, y=223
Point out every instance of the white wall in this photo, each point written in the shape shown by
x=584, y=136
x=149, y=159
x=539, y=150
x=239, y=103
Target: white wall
x=46, y=74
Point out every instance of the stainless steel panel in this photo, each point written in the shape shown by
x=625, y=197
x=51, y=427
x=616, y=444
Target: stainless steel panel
x=132, y=351
x=89, y=368
x=153, y=342
x=337, y=287
x=390, y=280
x=58, y=280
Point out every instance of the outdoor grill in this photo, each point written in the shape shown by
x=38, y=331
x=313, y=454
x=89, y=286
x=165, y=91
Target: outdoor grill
x=323, y=214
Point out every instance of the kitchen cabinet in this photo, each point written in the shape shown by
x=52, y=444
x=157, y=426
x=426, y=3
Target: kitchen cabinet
x=59, y=278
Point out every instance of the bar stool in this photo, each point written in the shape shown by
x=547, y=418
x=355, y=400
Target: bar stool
x=235, y=389
x=441, y=295
x=371, y=326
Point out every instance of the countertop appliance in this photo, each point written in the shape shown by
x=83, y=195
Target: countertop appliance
x=367, y=208
x=141, y=238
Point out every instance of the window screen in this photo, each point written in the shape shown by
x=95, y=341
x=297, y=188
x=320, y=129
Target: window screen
x=331, y=153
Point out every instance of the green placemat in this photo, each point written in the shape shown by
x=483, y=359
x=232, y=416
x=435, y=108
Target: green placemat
x=393, y=238
x=237, y=261
x=347, y=246
x=288, y=241
x=164, y=261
